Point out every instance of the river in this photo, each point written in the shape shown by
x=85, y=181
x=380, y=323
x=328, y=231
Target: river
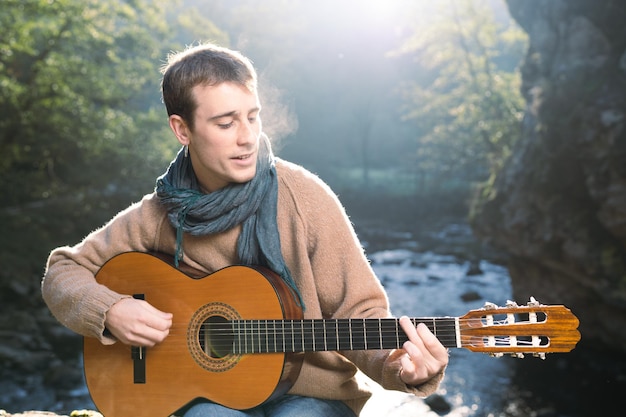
x=458, y=276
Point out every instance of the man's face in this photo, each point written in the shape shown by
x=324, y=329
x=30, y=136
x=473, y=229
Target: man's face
x=224, y=144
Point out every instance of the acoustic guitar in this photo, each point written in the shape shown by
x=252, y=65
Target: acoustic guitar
x=238, y=337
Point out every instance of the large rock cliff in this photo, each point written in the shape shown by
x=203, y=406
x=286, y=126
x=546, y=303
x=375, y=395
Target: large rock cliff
x=559, y=205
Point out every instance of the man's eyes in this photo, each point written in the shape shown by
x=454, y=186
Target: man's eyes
x=252, y=120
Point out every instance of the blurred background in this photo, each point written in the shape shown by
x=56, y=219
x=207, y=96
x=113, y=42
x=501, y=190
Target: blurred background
x=483, y=134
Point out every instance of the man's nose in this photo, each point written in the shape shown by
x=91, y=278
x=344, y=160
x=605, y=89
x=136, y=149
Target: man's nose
x=248, y=132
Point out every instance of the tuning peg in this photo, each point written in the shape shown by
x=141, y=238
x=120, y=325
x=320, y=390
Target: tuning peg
x=496, y=354
x=490, y=306
x=517, y=355
x=533, y=302
x=510, y=303
x=541, y=355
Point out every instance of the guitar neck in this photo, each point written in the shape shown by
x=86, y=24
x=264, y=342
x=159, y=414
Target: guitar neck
x=271, y=336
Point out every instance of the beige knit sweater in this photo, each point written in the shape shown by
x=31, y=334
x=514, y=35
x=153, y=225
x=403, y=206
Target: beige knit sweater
x=319, y=246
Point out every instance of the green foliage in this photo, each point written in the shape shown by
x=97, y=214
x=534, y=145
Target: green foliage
x=79, y=135
x=83, y=131
x=467, y=105
x=74, y=75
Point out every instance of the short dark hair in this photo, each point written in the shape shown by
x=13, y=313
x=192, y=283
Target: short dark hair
x=203, y=64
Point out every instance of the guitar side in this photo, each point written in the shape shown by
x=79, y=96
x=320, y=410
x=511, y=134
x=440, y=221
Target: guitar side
x=177, y=370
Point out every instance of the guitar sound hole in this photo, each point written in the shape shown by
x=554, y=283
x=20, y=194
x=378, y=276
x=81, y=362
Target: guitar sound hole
x=216, y=337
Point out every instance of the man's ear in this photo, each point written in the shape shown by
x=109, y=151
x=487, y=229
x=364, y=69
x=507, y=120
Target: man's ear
x=180, y=129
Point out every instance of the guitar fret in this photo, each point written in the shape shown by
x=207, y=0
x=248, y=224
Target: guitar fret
x=270, y=336
x=242, y=335
x=359, y=335
x=344, y=335
x=245, y=336
x=285, y=335
x=396, y=324
x=282, y=335
x=350, y=332
x=246, y=333
x=453, y=332
x=299, y=345
x=389, y=328
x=372, y=333
x=313, y=333
x=308, y=336
x=320, y=335
x=364, y=333
x=293, y=337
x=251, y=334
x=330, y=334
x=270, y=331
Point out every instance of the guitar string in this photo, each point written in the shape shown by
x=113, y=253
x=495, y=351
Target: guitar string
x=499, y=343
x=318, y=326
x=330, y=332
x=444, y=320
x=270, y=334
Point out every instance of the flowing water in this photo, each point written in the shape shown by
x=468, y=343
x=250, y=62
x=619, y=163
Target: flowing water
x=428, y=284
x=420, y=282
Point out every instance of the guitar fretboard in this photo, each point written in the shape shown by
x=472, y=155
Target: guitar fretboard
x=272, y=336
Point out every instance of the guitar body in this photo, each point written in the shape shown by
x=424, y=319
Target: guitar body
x=126, y=381
x=238, y=338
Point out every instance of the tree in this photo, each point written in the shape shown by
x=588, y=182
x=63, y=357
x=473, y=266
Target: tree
x=468, y=106
x=83, y=132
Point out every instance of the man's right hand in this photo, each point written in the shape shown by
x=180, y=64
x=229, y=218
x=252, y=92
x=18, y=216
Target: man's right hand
x=137, y=323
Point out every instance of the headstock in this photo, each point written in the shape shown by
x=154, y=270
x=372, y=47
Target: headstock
x=517, y=330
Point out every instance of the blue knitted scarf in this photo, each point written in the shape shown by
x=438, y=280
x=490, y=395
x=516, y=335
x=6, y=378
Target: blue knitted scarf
x=252, y=204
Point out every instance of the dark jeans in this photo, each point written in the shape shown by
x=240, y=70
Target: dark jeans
x=284, y=406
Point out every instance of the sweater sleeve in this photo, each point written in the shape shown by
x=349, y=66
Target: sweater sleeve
x=346, y=285
x=69, y=287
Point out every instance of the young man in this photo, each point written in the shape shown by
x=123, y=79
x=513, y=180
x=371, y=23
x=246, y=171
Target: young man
x=227, y=200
